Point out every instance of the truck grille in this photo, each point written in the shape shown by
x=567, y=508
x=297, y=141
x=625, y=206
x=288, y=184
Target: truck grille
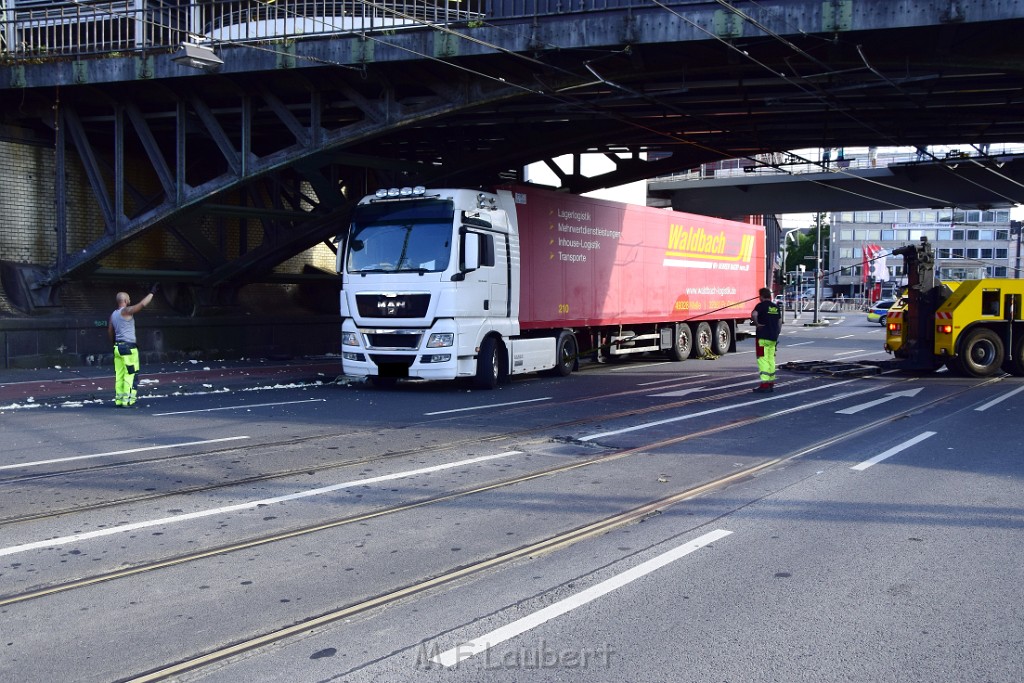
x=393, y=339
x=392, y=306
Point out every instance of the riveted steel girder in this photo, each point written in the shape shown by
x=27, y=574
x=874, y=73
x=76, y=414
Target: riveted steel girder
x=238, y=167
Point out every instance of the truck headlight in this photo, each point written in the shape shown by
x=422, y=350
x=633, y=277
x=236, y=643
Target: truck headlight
x=349, y=339
x=439, y=340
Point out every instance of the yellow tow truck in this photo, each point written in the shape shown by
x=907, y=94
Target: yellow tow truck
x=974, y=327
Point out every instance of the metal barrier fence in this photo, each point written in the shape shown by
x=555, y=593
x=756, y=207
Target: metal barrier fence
x=37, y=29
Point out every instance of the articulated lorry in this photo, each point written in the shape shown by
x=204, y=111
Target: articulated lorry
x=973, y=327
x=458, y=283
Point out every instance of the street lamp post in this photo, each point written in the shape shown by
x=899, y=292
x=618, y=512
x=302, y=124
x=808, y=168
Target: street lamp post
x=817, y=268
x=785, y=252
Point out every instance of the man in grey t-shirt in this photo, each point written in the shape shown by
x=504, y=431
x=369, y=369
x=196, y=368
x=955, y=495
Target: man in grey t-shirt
x=121, y=332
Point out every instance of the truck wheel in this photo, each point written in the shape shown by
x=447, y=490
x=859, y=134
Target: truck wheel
x=566, y=351
x=1016, y=366
x=682, y=343
x=721, y=339
x=981, y=354
x=702, y=340
x=488, y=365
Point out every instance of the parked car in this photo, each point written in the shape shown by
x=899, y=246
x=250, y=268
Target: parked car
x=879, y=309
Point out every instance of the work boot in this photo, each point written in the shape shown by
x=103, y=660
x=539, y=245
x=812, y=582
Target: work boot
x=765, y=388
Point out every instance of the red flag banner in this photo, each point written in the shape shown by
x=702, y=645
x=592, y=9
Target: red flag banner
x=870, y=253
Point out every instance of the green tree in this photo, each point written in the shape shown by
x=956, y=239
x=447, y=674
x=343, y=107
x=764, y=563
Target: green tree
x=802, y=252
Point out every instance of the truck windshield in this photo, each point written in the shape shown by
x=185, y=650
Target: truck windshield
x=403, y=237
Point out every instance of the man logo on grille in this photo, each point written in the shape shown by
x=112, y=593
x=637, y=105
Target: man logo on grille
x=390, y=307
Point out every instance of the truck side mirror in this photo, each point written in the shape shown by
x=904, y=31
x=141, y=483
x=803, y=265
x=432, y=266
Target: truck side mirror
x=471, y=251
x=470, y=255
x=339, y=255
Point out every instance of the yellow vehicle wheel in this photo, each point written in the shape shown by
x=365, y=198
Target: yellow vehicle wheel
x=981, y=353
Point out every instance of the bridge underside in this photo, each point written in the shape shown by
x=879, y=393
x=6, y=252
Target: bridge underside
x=980, y=182
x=243, y=168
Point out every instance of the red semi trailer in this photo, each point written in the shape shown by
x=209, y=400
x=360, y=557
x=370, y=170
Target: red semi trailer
x=451, y=283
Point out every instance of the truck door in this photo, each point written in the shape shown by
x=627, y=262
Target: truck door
x=478, y=264
x=499, y=276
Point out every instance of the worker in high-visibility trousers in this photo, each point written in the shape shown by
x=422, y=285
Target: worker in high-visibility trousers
x=767, y=318
x=121, y=332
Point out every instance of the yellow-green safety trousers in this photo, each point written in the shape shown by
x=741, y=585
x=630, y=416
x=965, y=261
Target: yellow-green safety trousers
x=766, y=360
x=126, y=366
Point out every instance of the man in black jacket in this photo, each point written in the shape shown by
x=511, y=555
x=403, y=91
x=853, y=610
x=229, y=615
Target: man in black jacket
x=767, y=317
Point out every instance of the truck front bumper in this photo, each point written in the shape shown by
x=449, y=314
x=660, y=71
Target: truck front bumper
x=361, y=358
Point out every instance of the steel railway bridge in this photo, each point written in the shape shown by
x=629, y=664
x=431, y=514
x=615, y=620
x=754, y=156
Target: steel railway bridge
x=249, y=146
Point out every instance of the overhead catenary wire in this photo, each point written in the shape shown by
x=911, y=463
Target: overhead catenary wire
x=560, y=96
x=820, y=97
x=860, y=51
x=582, y=105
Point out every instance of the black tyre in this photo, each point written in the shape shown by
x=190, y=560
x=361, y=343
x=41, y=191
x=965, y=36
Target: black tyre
x=682, y=343
x=981, y=353
x=882, y=320
x=702, y=340
x=567, y=352
x=721, y=338
x=488, y=365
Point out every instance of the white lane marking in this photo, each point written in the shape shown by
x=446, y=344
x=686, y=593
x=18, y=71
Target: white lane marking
x=674, y=379
x=879, y=401
x=892, y=451
x=240, y=406
x=675, y=394
x=492, y=405
x=466, y=650
x=801, y=343
x=680, y=393
x=848, y=353
x=845, y=336
x=680, y=418
x=638, y=367
x=49, y=543
x=142, y=449
x=1002, y=398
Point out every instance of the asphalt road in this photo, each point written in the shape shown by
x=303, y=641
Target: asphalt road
x=637, y=521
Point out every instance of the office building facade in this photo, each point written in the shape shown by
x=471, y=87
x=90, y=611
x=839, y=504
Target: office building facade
x=968, y=244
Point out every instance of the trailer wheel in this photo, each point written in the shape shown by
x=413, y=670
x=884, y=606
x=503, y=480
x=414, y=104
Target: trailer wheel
x=488, y=365
x=682, y=343
x=721, y=339
x=981, y=354
x=1015, y=366
x=567, y=351
x=702, y=341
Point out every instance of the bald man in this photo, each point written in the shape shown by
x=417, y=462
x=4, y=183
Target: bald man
x=121, y=332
